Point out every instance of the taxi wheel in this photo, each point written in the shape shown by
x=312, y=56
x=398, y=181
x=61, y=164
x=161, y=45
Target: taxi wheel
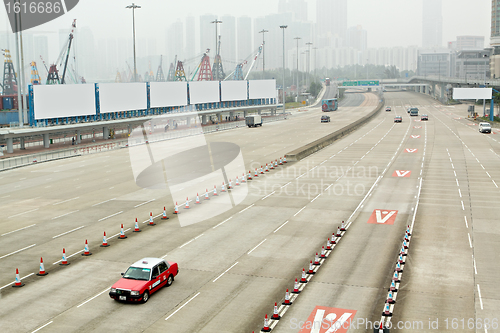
x=145, y=297
x=170, y=280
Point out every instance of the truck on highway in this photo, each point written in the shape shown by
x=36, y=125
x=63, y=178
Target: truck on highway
x=330, y=104
x=253, y=120
x=327, y=81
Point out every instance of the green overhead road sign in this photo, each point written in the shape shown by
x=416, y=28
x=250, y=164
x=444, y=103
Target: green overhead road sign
x=361, y=83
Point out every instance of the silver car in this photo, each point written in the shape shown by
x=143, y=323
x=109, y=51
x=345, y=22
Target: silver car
x=484, y=127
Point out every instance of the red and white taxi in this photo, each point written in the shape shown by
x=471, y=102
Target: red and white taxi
x=143, y=278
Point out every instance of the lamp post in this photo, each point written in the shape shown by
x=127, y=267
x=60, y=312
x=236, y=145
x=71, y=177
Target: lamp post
x=216, y=21
x=263, y=32
x=484, y=85
x=297, y=39
x=315, y=60
x=133, y=6
x=308, y=62
x=283, y=27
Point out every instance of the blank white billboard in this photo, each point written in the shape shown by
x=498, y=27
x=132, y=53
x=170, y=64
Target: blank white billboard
x=261, y=89
x=117, y=97
x=204, y=92
x=59, y=101
x=233, y=90
x=163, y=94
x=472, y=93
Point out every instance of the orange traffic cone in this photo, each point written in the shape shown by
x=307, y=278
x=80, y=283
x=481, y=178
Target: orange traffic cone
x=267, y=168
x=342, y=227
x=64, y=260
x=104, y=241
x=333, y=239
x=151, y=222
x=223, y=187
x=272, y=166
x=316, y=259
x=387, y=311
x=249, y=175
x=338, y=232
x=187, y=203
x=390, y=300
x=323, y=253
x=276, y=315
x=296, y=287
x=122, y=234
x=303, y=278
x=266, y=325
x=256, y=174
x=287, y=298
x=237, y=181
x=164, y=217
x=136, y=227
x=206, y=194
x=215, y=190
x=261, y=170
x=393, y=286
x=18, y=283
x=229, y=185
x=86, y=251
x=328, y=244
x=284, y=159
x=243, y=178
x=42, y=271
x=197, y=199
x=176, y=211
x=281, y=162
x=311, y=269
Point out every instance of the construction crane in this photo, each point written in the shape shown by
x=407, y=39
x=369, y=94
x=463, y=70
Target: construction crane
x=35, y=78
x=70, y=39
x=131, y=74
x=254, y=60
x=9, y=82
x=217, y=69
x=204, y=68
x=159, y=73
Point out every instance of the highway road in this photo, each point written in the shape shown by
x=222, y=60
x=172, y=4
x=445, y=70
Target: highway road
x=234, y=266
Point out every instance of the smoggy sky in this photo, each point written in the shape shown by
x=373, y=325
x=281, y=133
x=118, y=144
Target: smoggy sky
x=388, y=22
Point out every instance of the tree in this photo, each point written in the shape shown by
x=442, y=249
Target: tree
x=314, y=88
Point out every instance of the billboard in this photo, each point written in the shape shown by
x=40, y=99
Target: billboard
x=472, y=93
x=117, y=97
x=59, y=101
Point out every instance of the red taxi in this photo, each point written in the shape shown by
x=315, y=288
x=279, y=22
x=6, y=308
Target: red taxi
x=143, y=278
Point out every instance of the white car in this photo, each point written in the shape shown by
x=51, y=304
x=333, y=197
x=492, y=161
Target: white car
x=485, y=127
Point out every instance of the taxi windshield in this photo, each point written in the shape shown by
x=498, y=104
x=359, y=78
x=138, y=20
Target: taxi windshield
x=136, y=273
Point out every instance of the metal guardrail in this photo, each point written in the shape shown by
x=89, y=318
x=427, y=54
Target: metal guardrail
x=79, y=150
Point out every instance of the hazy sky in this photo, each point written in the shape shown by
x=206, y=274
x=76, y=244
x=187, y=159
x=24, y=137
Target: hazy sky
x=388, y=22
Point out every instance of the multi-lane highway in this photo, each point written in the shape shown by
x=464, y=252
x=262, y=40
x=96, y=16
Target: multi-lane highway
x=234, y=266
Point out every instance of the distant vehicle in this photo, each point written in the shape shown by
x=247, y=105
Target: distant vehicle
x=485, y=127
x=327, y=81
x=144, y=278
x=328, y=105
x=388, y=109
x=424, y=117
x=398, y=119
x=253, y=121
x=325, y=119
x=408, y=110
x=414, y=112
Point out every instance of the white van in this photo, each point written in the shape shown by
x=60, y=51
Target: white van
x=484, y=128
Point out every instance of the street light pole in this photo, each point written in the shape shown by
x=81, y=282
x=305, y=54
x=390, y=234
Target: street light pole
x=315, y=60
x=216, y=21
x=297, y=39
x=263, y=32
x=283, y=27
x=484, y=85
x=308, y=62
x=133, y=6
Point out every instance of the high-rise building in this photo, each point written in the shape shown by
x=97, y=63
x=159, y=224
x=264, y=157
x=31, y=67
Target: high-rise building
x=175, y=42
x=432, y=23
x=357, y=38
x=470, y=42
x=190, y=41
x=244, y=42
x=228, y=38
x=297, y=7
x=495, y=39
x=207, y=33
x=331, y=23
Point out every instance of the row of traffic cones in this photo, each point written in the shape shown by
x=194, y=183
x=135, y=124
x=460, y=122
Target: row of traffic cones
x=318, y=257
x=396, y=278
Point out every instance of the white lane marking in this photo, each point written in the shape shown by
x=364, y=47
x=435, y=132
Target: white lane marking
x=97, y=204
x=39, y=328
x=222, y=222
x=102, y=292
x=482, y=166
x=182, y=306
x=10, y=284
x=256, y=246
x=29, y=211
x=316, y=197
x=281, y=226
x=268, y=195
x=480, y=299
x=180, y=247
x=74, y=254
x=227, y=270
x=107, y=217
x=67, y=232
x=60, y=202
x=470, y=242
x=286, y=184
x=299, y=211
x=18, y=229
x=475, y=268
x=488, y=174
x=241, y=211
x=457, y=182
x=362, y=201
x=300, y=176
x=452, y=166
x=460, y=193
x=463, y=208
x=494, y=183
x=24, y=248
x=64, y=215
x=466, y=224
x=144, y=203
x=153, y=218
